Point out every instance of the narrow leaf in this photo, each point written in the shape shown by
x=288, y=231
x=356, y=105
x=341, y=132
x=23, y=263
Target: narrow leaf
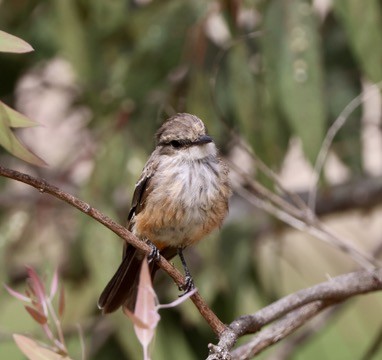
x=13, y=44
x=72, y=36
x=54, y=285
x=37, y=315
x=362, y=21
x=38, y=288
x=135, y=319
x=146, y=307
x=16, y=294
x=10, y=142
x=61, y=302
x=34, y=351
x=243, y=90
x=293, y=57
x=15, y=119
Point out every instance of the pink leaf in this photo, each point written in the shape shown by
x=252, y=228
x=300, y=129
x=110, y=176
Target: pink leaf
x=135, y=319
x=54, y=285
x=17, y=295
x=146, y=308
x=38, y=288
x=34, y=351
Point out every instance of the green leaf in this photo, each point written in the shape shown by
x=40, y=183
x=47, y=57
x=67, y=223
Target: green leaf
x=243, y=90
x=363, y=23
x=15, y=119
x=72, y=37
x=198, y=100
x=293, y=61
x=11, y=118
x=13, y=44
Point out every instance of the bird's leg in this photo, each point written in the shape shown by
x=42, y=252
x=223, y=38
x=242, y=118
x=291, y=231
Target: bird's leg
x=154, y=253
x=189, y=282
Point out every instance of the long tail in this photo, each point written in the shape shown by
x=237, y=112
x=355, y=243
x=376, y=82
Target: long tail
x=123, y=287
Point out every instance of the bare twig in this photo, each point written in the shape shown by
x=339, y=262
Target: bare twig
x=279, y=330
x=332, y=132
x=310, y=225
x=217, y=326
x=362, y=193
x=287, y=348
x=318, y=297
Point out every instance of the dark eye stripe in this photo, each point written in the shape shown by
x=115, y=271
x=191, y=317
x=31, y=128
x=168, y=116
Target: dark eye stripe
x=176, y=144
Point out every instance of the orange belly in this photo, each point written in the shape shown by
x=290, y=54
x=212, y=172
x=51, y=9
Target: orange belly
x=176, y=226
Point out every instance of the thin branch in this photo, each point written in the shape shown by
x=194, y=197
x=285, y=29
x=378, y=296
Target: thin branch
x=311, y=226
x=362, y=193
x=217, y=326
x=336, y=290
x=279, y=330
x=287, y=348
x=332, y=132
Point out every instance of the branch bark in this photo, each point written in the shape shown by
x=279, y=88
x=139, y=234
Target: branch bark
x=293, y=311
x=216, y=325
x=361, y=194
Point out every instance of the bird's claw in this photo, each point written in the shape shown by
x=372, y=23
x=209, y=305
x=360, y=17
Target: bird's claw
x=154, y=253
x=187, y=286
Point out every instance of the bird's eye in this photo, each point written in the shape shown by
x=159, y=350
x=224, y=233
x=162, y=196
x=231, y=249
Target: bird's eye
x=175, y=144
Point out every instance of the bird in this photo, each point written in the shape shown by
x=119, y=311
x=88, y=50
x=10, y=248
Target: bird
x=181, y=196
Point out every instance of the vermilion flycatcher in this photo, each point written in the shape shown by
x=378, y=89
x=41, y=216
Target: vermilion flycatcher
x=181, y=196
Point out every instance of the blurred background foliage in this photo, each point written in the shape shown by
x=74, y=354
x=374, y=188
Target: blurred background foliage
x=103, y=77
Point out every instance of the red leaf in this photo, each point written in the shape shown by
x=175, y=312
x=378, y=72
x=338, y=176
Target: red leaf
x=61, y=302
x=37, y=315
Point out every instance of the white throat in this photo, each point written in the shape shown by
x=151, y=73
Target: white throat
x=198, y=152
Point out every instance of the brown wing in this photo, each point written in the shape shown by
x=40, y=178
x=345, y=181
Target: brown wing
x=139, y=197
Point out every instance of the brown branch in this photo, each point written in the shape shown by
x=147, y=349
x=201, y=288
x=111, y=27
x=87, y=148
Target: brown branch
x=279, y=330
x=296, y=309
x=286, y=350
x=361, y=194
x=217, y=326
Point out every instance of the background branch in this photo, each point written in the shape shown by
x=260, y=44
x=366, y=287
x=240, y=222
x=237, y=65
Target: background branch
x=296, y=309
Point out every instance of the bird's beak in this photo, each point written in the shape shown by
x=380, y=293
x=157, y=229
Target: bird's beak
x=204, y=139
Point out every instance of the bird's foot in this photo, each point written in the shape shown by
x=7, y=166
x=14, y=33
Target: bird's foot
x=188, y=280
x=187, y=286
x=154, y=253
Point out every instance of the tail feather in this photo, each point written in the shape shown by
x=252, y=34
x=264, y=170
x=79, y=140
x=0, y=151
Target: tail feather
x=123, y=286
x=122, y=289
